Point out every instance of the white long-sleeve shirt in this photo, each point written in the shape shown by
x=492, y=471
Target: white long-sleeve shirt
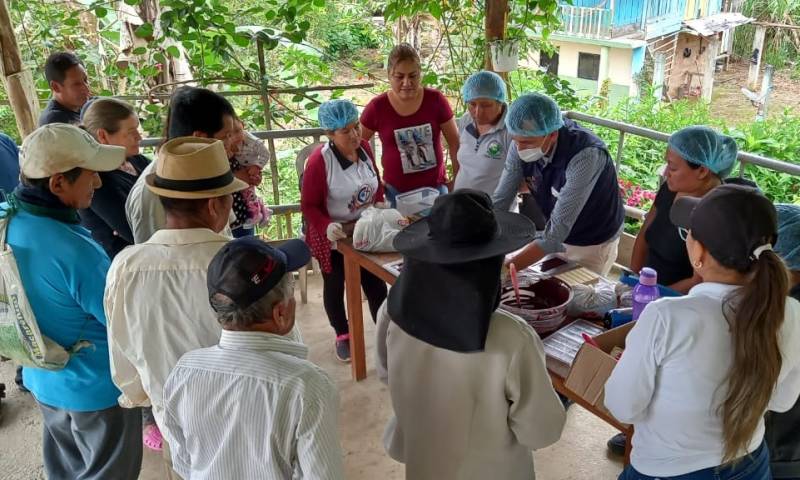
x=252, y=407
x=671, y=379
x=468, y=416
x=157, y=306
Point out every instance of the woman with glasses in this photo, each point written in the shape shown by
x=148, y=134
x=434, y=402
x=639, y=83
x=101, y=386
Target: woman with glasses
x=700, y=371
x=698, y=160
x=410, y=121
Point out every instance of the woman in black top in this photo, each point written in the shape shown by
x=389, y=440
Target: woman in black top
x=112, y=122
x=698, y=159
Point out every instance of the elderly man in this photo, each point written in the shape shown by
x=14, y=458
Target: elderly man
x=69, y=85
x=572, y=179
x=155, y=298
x=469, y=386
x=86, y=433
x=278, y=410
x=197, y=112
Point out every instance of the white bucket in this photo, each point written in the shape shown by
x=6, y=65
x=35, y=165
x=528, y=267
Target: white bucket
x=505, y=55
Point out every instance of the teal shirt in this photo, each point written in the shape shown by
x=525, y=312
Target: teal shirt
x=64, y=274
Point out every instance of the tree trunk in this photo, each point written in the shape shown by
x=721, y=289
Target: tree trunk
x=16, y=78
x=495, y=26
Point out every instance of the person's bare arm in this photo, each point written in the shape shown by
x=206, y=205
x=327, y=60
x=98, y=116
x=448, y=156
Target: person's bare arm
x=366, y=133
x=528, y=256
x=639, y=254
x=450, y=132
x=683, y=286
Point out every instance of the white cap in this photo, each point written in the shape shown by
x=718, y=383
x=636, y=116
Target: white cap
x=60, y=147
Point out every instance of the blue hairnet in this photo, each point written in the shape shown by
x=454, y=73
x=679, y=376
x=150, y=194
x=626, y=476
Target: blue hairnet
x=533, y=115
x=788, y=246
x=705, y=147
x=337, y=114
x=484, y=85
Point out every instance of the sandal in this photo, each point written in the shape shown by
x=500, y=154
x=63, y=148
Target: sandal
x=152, y=439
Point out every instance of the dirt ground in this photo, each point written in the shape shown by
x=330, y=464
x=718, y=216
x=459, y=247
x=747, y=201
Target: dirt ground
x=364, y=409
x=729, y=102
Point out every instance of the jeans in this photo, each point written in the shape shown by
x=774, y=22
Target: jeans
x=750, y=467
x=391, y=193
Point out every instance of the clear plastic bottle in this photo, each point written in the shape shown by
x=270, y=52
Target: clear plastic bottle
x=645, y=291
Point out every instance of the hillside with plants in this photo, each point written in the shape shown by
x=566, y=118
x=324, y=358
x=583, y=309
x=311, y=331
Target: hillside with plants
x=141, y=49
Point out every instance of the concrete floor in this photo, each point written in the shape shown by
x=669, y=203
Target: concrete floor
x=364, y=410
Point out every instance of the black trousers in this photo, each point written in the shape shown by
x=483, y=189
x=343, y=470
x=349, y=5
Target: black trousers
x=333, y=293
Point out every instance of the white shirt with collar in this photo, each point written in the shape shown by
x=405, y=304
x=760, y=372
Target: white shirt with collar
x=252, y=407
x=157, y=306
x=481, y=158
x=671, y=381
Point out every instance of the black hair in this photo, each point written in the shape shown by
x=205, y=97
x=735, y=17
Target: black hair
x=183, y=206
x=44, y=183
x=57, y=64
x=196, y=109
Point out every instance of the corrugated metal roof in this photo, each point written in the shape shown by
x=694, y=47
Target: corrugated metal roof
x=716, y=23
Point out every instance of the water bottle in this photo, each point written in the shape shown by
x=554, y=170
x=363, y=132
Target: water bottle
x=645, y=291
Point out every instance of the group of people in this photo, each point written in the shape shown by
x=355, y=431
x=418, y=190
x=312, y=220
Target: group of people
x=198, y=329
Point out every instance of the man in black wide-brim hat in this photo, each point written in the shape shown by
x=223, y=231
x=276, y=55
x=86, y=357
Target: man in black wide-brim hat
x=469, y=386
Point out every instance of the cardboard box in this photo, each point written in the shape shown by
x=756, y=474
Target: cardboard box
x=592, y=366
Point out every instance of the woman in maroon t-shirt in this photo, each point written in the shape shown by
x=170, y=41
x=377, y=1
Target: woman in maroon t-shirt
x=409, y=120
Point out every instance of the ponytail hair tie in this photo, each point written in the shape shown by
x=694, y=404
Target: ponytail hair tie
x=763, y=248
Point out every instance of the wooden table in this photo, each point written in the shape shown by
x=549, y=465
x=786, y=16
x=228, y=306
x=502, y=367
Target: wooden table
x=355, y=260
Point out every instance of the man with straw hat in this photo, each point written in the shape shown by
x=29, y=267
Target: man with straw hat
x=468, y=382
x=156, y=297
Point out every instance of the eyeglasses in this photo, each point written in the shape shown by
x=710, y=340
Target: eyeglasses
x=683, y=233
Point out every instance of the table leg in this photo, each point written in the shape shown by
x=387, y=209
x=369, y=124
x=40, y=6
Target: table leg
x=355, y=318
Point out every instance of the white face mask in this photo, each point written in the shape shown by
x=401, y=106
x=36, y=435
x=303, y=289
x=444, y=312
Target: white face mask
x=530, y=154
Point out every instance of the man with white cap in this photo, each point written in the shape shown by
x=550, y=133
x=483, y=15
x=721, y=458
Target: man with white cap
x=63, y=270
x=156, y=298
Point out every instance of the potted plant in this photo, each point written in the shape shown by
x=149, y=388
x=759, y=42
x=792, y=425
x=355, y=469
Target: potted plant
x=505, y=54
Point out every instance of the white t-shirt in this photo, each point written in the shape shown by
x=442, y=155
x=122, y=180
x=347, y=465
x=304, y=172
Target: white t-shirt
x=351, y=186
x=671, y=379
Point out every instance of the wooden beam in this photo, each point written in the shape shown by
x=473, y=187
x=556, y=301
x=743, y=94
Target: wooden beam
x=755, y=59
x=17, y=79
x=495, y=26
x=776, y=25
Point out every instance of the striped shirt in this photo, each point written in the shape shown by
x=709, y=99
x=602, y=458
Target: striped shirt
x=582, y=174
x=250, y=408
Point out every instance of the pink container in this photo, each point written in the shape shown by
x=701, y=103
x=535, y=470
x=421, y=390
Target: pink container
x=544, y=303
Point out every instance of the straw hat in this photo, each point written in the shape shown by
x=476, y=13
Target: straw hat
x=193, y=167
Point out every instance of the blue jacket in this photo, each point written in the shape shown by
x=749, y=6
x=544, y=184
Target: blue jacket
x=63, y=272
x=9, y=165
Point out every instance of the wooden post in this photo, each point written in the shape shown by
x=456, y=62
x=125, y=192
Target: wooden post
x=601, y=78
x=710, y=67
x=755, y=59
x=273, y=157
x=17, y=79
x=766, y=88
x=495, y=26
x=660, y=62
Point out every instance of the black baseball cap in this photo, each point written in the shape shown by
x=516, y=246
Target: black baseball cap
x=731, y=221
x=247, y=268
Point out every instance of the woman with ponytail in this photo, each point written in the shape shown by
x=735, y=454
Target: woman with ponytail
x=700, y=371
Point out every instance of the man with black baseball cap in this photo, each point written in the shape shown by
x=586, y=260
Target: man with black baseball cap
x=253, y=406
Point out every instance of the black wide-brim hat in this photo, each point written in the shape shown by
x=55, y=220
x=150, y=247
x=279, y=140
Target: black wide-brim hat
x=463, y=227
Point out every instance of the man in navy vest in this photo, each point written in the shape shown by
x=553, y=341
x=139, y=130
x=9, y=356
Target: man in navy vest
x=572, y=179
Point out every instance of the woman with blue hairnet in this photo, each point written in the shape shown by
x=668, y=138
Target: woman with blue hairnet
x=484, y=139
x=571, y=177
x=339, y=182
x=782, y=436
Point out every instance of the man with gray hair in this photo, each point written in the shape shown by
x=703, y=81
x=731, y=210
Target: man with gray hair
x=253, y=406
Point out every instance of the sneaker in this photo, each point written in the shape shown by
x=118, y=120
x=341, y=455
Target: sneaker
x=616, y=444
x=343, y=347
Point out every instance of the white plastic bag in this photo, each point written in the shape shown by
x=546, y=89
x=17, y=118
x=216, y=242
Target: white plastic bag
x=376, y=229
x=598, y=298
x=20, y=338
